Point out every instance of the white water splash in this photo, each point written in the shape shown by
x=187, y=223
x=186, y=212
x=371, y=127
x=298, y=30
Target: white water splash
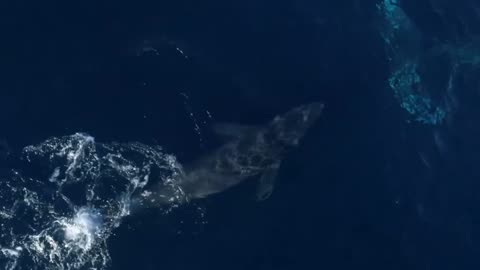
x=81, y=230
x=63, y=218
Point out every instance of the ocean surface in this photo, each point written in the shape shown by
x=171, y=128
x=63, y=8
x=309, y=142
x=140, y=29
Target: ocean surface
x=100, y=100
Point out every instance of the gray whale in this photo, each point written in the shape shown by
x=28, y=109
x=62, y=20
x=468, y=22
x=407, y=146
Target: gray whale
x=249, y=151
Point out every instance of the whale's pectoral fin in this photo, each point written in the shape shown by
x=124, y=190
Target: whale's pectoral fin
x=232, y=131
x=267, y=182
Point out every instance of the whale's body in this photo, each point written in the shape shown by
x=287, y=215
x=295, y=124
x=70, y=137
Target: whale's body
x=249, y=151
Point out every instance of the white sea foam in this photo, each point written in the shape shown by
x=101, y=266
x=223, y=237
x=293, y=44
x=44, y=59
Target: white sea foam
x=82, y=229
x=57, y=231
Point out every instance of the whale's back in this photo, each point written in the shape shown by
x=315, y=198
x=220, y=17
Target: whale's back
x=250, y=151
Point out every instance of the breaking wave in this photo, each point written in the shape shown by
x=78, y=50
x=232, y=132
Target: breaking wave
x=59, y=208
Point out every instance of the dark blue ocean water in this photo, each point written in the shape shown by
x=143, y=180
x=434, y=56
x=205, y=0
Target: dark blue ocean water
x=368, y=188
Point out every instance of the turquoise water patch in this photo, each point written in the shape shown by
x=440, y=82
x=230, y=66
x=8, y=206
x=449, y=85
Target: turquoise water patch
x=405, y=83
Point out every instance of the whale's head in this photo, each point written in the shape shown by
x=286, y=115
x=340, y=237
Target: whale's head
x=291, y=126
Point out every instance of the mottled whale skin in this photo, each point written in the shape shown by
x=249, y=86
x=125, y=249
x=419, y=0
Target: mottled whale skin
x=249, y=151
